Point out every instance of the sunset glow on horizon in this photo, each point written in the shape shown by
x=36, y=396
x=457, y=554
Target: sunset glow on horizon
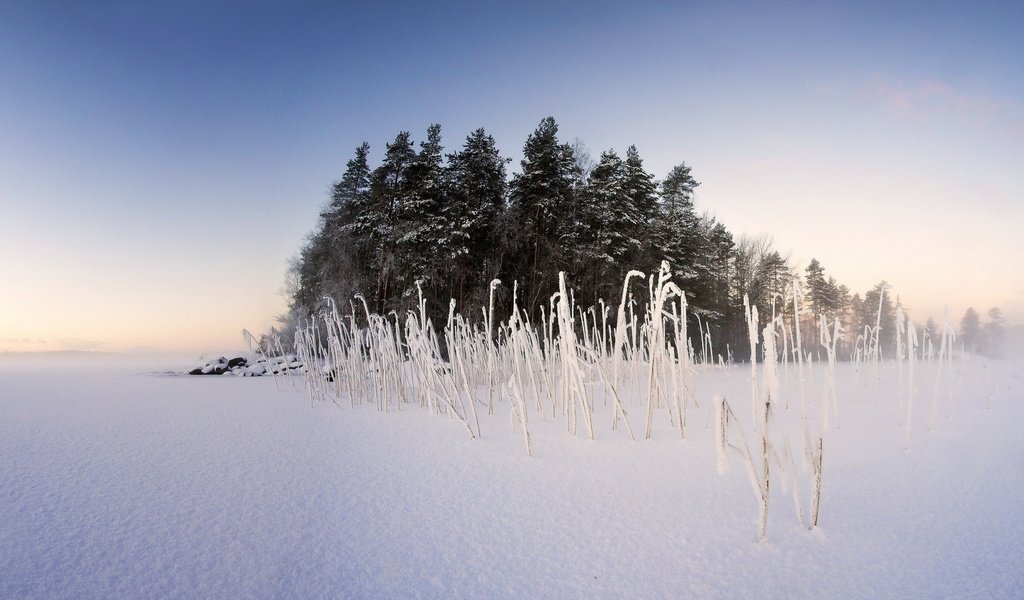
x=162, y=162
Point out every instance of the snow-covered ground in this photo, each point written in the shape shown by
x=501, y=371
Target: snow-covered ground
x=119, y=482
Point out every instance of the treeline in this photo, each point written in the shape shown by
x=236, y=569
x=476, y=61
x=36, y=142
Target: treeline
x=452, y=223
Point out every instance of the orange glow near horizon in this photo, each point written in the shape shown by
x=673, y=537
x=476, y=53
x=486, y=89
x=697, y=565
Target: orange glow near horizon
x=151, y=199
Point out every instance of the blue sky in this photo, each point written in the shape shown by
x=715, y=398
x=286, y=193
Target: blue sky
x=159, y=162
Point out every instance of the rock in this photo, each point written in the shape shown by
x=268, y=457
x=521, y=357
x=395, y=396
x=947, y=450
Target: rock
x=242, y=367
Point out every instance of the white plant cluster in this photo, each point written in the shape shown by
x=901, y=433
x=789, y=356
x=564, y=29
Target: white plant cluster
x=558, y=367
x=773, y=454
x=574, y=361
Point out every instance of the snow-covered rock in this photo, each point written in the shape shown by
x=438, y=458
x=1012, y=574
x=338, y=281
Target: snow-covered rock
x=242, y=366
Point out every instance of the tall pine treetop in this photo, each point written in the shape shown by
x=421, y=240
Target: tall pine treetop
x=349, y=194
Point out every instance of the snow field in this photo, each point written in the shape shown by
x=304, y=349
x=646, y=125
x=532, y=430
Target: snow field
x=117, y=482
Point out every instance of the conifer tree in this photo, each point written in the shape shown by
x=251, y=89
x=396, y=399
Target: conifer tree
x=709, y=295
x=605, y=218
x=310, y=271
x=477, y=200
x=843, y=302
x=857, y=314
x=777, y=276
x=677, y=235
x=884, y=318
x=642, y=191
x=377, y=223
x=328, y=264
x=816, y=287
x=349, y=195
x=347, y=271
x=970, y=330
x=543, y=203
x=720, y=257
x=421, y=229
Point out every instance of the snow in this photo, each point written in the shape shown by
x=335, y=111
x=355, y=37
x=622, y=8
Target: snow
x=116, y=481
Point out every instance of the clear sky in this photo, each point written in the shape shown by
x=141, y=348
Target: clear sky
x=161, y=161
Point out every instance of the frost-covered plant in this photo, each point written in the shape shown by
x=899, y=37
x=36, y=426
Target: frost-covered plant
x=945, y=369
x=911, y=388
x=574, y=360
x=657, y=354
x=573, y=391
x=771, y=393
x=829, y=338
x=621, y=348
x=750, y=314
x=758, y=480
x=521, y=357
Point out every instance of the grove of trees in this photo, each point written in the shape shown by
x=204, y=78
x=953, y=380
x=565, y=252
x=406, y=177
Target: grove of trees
x=447, y=224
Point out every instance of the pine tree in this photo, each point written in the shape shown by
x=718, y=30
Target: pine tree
x=347, y=270
x=309, y=272
x=970, y=330
x=327, y=264
x=777, y=276
x=476, y=202
x=676, y=229
x=720, y=259
x=856, y=315
x=348, y=196
x=708, y=296
x=421, y=227
x=601, y=243
x=642, y=191
x=543, y=202
x=843, y=303
x=608, y=214
x=377, y=224
x=816, y=287
x=826, y=297
x=884, y=317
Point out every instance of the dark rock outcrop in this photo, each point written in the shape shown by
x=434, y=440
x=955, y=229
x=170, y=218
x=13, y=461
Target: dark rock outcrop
x=248, y=367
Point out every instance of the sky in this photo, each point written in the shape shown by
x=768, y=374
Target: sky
x=161, y=162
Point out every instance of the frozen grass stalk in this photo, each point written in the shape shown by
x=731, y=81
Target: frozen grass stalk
x=911, y=389
x=721, y=425
x=490, y=346
x=664, y=290
x=574, y=359
x=771, y=393
x=750, y=313
x=574, y=395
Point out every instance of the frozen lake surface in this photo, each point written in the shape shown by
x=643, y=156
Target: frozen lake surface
x=119, y=482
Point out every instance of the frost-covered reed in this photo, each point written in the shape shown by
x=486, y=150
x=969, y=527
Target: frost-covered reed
x=561, y=366
x=576, y=363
